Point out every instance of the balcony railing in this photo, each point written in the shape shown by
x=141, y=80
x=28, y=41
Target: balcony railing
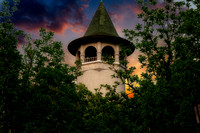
x=107, y=58
x=89, y=59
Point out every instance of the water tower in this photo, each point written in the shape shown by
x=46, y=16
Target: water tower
x=100, y=40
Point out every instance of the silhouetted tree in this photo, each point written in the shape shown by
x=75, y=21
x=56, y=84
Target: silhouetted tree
x=168, y=40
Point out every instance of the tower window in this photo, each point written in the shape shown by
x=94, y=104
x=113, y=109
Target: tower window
x=108, y=53
x=90, y=54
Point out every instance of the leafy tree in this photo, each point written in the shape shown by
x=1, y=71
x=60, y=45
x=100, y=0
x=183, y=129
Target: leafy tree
x=109, y=113
x=10, y=65
x=169, y=42
x=48, y=93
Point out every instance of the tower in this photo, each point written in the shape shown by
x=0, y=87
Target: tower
x=100, y=40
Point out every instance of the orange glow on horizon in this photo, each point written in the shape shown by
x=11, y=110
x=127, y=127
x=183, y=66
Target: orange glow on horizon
x=131, y=95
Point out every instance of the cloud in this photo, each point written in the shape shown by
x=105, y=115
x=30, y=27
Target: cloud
x=55, y=15
x=85, y=5
x=135, y=9
x=116, y=17
x=79, y=29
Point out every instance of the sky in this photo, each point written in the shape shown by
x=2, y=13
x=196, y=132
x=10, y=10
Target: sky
x=69, y=19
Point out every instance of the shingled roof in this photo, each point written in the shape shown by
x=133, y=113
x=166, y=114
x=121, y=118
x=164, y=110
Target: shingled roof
x=100, y=29
x=101, y=23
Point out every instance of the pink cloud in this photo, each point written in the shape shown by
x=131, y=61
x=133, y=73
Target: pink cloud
x=135, y=9
x=36, y=27
x=117, y=17
x=85, y=5
x=78, y=30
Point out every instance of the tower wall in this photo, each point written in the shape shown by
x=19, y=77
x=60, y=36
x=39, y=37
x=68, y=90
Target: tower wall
x=97, y=72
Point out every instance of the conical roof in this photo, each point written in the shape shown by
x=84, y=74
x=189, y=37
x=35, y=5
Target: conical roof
x=101, y=23
x=101, y=29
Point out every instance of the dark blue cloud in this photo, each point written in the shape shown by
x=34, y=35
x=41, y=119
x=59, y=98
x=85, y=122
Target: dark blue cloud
x=51, y=14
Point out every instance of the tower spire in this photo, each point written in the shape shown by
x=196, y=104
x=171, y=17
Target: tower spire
x=101, y=29
x=101, y=23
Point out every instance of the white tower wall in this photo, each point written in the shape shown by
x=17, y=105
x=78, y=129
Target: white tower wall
x=97, y=72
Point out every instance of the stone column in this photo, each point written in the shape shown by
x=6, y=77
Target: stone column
x=82, y=54
x=98, y=51
x=117, y=54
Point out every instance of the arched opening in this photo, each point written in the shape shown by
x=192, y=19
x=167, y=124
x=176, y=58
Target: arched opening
x=108, y=53
x=90, y=54
x=78, y=55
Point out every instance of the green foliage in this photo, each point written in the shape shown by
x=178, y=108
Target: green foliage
x=8, y=11
x=108, y=113
x=10, y=65
x=169, y=42
x=108, y=59
x=48, y=88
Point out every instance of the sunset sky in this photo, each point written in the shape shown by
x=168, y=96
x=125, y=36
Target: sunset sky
x=69, y=19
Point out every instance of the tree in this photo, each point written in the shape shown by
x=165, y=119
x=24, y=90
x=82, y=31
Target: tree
x=10, y=65
x=168, y=41
x=109, y=113
x=48, y=96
